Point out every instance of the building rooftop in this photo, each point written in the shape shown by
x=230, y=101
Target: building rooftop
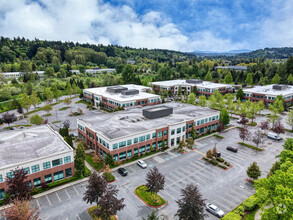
x=131, y=121
x=122, y=97
x=17, y=146
x=270, y=90
x=182, y=82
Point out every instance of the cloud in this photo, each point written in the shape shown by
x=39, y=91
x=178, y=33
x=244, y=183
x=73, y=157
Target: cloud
x=99, y=22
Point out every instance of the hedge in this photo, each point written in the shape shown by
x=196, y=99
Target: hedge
x=232, y=216
x=251, y=203
x=250, y=146
x=222, y=166
x=220, y=159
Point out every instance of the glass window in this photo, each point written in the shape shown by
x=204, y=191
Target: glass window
x=122, y=155
x=46, y=165
x=172, y=131
x=217, y=117
x=183, y=129
x=153, y=135
x=198, y=122
x=148, y=147
x=142, y=138
x=115, y=146
x=165, y=132
x=115, y=157
x=129, y=153
x=122, y=144
x=154, y=145
x=68, y=172
x=67, y=159
x=135, y=151
x=35, y=168
x=148, y=137
x=135, y=140
x=202, y=121
x=58, y=175
x=178, y=130
x=37, y=182
x=172, y=142
x=48, y=178
x=56, y=162
x=206, y=120
x=2, y=193
x=160, y=134
x=142, y=149
x=10, y=174
x=190, y=125
x=1, y=178
x=129, y=142
x=27, y=170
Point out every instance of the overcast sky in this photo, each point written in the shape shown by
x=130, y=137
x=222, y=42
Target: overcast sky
x=184, y=25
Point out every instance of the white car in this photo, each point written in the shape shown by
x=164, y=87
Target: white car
x=215, y=210
x=142, y=164
x=239, y=120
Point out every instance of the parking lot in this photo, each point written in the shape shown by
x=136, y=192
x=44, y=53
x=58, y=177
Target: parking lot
x=226, y=189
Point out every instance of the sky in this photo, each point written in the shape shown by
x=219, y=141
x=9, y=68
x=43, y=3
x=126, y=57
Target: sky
x=182, y=25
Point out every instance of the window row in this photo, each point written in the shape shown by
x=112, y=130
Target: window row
x=135, y=140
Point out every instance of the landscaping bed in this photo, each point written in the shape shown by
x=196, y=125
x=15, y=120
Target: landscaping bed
x=89, y=159
x=91, y=213
x=149, y=198
x=220, y=162
x=252, y=123
x=109, y=177
x=17, y=126
x=56, y=122
x=64, y=108
x=250, y=146
x=218, y=136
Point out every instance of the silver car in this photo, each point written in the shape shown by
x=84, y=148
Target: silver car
x=142, y=164
x=215, y=210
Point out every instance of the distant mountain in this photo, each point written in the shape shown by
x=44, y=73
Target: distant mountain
x=269, y=53
x=216, y=53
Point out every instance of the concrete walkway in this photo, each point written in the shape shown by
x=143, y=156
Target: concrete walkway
x=257, y=215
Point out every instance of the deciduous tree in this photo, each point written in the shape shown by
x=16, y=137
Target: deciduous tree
x=244, y=134
x=253, y=171
x=25, y=102
x=67, y=101
x=191, y=98
x=191, y=205
x=202, y=101
x=289, y=119
x=224, y=116
x=36, y=119
x=155, y=181
x=257, y=137
x=8, y=118
x=278, y=127
x=239, y=94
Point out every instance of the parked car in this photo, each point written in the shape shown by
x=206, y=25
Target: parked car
x=74, y=135
x=274, y=136
x=218, y=154
x=239, y=120
x=122, y=171
x=215, y=210
x=142, y=164
x=12, y=128
x=233, y=149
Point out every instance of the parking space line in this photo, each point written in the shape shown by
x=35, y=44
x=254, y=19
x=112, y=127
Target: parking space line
x=76, y=190
x=48, y=200
x=199, y=152
x=78, y=217
x=58, y=196
x=38, y=204
x=67, y=193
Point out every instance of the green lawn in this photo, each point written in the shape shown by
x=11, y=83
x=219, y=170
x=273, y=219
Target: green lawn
x=56, y=122
x=250, y=146
x=89, y=159
x=16, y=126
x=250, y=216
x=64, y=108
x=218, y=136
x=46, y=115
x=147, y=197
x=90, y=211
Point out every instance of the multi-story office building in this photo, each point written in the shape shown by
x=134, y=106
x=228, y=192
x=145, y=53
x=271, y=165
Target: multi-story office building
x=123, y=96
x=269, y=93
x=16, y=75
x=136, y=131
x=40, y=151
x=204, y=87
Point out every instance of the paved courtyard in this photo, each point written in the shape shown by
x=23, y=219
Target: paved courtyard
x=226, y=189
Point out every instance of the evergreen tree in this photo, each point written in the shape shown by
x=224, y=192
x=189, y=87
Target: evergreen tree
x=276, y=79
x=228, y=78
x=249, y=79
x=253, y=171
x=208, y=77
x=79, y=163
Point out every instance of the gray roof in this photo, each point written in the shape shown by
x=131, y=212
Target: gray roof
x=131, y=121
x=17, y=146
x=232, y=67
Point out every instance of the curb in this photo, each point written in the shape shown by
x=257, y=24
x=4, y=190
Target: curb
x=150, y=205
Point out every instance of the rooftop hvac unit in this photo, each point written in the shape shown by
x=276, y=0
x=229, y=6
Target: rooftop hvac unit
x=280, y=87
x=157, y=112
x=194, y=81
x=130, y=92
x=116, y=89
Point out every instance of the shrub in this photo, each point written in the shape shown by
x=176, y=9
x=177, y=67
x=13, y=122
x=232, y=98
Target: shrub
x=227, y=163
x=220, y=159
x=239, y=210
x=205, y=158
x=251, y=203
x=232, y=216
x=214, y=162
x=109, y=177
x=222, y=166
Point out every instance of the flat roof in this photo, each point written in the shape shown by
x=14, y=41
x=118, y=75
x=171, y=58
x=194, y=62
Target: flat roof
x=131, y=121
x=268, y=90
x=102, y=91
x=19, y=146
x=232, y=67
x=182, y=82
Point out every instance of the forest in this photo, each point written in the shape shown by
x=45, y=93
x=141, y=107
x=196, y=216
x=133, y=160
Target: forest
x=57, y=58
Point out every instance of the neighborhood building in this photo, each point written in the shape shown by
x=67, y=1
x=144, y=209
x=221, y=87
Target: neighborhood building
x=40, y=151
x=124, y=96
x=237, y=68
x=94, y=70
x=203, y=87
x=16, y=75
x=136, y=131
x=269, y=93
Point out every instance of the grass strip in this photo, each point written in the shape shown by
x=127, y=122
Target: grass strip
x=250, y=146
x=149, y=198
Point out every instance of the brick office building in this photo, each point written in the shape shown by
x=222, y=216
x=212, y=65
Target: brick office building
x=125, y=96
x=40, y=151
x=269, y=93
x=203, y=87
x=136, y=131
